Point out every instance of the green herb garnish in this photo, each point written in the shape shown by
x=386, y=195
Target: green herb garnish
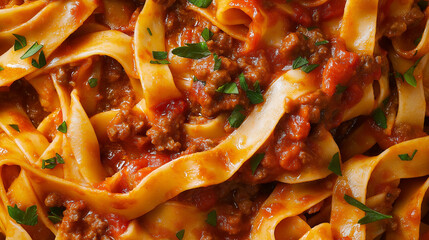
x=29, y=217
x=370, y=215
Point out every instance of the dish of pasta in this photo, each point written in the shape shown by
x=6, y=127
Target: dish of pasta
x=214, y=119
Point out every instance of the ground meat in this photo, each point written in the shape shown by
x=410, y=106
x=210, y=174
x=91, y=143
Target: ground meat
x=116, y=91
x=54, y=200
x=302, y=43
x=397, y=26
x=80, y=223
x=256, y=68
x=125, y=125
x=166, y=130
x=221, y=43
x=203, y=95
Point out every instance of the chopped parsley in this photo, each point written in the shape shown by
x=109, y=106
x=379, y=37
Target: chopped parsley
x=321, y=42
x=255, y=161
x=299, y=62
x=335, y=165
x=409, y=74
x=92, y=82
x=159, y=55
x=62, y=127
x=308, y=68
x=217, y=62
x=1, y=68
x=201, y=3
x=55, y=214
x=370, y=215
x=406, y=157
x=417, y=41
x=228, y=88
x=302, y=63
x=180, y=234
x=159, y=62
x=195, y=79
x=193, y=50
x=237, y=117
x=20, y=42
x=207, y=34
x=29, y=217
x=379, y=118
x=340, y=89
x=423, y=4
x=255, y=96
x=149, y=31
x=15, y=126
x=52, y=162
x=32, y=50
x=42, y=60
x=311, y=28
x=212, y=218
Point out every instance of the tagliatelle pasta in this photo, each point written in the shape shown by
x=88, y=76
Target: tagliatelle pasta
x=214, y=119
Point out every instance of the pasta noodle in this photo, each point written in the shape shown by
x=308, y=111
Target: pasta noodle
x=224, y=119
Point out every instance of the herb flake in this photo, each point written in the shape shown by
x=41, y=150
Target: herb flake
x=212, y=218
x=192, y=50
x=379, y=118
x=55, y=214
x=93, y=82
x=321, y=42
x=51, y=163
x=20, y=42
x=62, y=127
x=255, y=96
x=32, y=50
x=335, y=164
x=217, y=62
x=42, y=60
x=370, y=215
x=309, y=68
x=207, y=34
x=255, y=161
x=406, y=157
x=15, y=127
x=237, y=117
x=159, y=55
x=299, y=62
x=201, y=3
x=180, y=234
x=228, y=88
x=29, y=217
x=409, y=74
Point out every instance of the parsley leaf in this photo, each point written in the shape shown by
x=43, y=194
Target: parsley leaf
x=56, y=214
x=229, y=88
x=1, y=68
x=255, y=161
x=193, y=50
x=379, y=118
x=42, y=60
x=409, y=74
x=62, y=127
x=201, y=3
x=29, y=217
x=299, y=62
x=159, y=62
x=180, y=234
x=15, y=126
x=423, y=4
x=217, y=61
x=255, y=97
x=340, y=89
x=92, y=82
x=51, y=163
x=149, y=31
x=32, y=50
x=20, y=42
x=207, y=34
x=195, y=79
x=370, y=215
x=417, y=41
x=212, y=218
x=406, y=157
x=335, y=165
x=159, y=55
x=309, y=68
x=311, y=28
x=237, y=117
x=321, y=42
